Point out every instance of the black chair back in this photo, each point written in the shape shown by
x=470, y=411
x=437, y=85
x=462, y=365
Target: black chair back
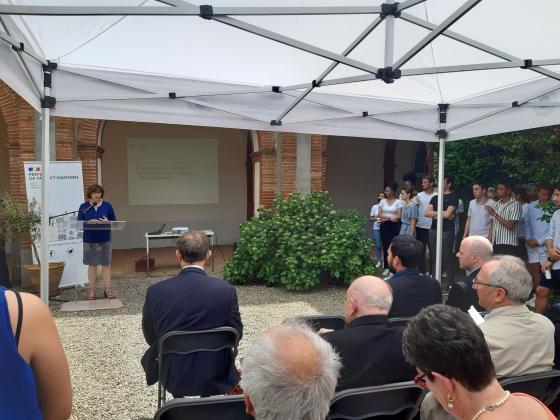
x=399, y=401
x=399, y=321
x=223, y=408
x=188, y=342
x=544, y=386
x=332, y=322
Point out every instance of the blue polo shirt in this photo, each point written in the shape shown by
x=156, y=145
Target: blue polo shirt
x=87, y=212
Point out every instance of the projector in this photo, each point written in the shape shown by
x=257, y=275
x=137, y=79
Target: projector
x=180, y=230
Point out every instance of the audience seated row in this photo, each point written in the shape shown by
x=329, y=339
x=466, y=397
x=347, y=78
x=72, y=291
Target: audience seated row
x=398, y=401
x=292, y=361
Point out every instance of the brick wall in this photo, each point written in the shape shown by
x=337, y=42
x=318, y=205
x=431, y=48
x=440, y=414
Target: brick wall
x=288, y=143
x=78, y=140
x=88, y=149
x=20, y=122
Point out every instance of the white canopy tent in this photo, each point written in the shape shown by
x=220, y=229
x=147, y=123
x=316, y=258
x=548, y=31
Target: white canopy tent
x=423, y=70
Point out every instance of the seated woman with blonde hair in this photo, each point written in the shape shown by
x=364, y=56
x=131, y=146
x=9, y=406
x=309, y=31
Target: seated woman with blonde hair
x=34, y=375
x=453, y=361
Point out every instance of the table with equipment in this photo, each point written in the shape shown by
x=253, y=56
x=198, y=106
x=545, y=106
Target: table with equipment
x=174, y=235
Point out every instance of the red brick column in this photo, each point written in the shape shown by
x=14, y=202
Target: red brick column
x=64, y=128
x=20, y=122
x=267, y=158
x=318, y=162
x=288, y=165
x=88, y=149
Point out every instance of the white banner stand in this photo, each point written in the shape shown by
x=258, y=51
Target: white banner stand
x=66, y=193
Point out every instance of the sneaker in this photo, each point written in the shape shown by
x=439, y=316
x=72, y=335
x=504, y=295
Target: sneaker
x=378, y=264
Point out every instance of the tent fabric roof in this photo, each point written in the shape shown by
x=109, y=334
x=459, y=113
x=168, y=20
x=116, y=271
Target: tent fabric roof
x=221, y=71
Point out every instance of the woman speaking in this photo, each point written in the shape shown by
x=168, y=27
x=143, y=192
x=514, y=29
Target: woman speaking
x=97, y=214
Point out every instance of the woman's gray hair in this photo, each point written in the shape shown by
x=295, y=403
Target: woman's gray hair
x=280, y=387
x=512, y=275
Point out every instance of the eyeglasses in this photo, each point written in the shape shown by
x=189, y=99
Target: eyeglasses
x=420, y=380
x=477, y=283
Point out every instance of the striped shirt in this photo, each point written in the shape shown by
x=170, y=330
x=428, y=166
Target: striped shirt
x=501, y=235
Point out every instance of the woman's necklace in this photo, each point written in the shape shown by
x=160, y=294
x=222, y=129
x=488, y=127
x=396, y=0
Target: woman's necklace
x=492, y=406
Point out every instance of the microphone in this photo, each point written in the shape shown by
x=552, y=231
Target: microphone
x=89, y=208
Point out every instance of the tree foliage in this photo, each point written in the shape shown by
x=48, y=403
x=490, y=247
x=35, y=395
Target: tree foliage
x=526, y=157
x=299, y=241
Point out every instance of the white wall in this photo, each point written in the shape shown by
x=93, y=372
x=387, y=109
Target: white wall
x=224, y=217
x=355, y=169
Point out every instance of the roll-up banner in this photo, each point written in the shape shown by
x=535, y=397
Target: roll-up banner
x=66, y=193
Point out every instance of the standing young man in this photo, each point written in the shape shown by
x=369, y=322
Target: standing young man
x=479, y=221
x=505, y=215
x=424, y=223
x=535, y=233
x=450, y=204
x=552, y=264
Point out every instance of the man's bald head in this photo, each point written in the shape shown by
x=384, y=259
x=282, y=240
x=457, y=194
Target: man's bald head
x=289, y=372
x=474, y=252
x=367, y=295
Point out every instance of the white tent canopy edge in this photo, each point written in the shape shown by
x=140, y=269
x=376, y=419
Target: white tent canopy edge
x=137, y=96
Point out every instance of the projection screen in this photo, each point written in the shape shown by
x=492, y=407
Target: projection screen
x=172, y=171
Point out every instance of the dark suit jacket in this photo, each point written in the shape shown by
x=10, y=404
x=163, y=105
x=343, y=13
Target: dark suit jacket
x=462, y=295
x=370, y=352
x=191, y=301
x=412, y=292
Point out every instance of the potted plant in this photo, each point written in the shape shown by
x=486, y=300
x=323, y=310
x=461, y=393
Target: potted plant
x=21, y=220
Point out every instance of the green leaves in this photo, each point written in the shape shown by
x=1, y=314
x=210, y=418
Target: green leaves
x=300, y=241
x=525, y=157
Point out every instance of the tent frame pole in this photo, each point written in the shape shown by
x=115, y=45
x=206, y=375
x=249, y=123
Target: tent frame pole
x=389, y=38
x=438, y=30
x=330, y=68
x=45, y=169
x=442, y=135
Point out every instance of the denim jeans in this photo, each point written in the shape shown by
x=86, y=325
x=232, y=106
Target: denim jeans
x=378, y=246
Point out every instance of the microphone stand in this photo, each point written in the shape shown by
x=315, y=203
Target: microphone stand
x=62, y=214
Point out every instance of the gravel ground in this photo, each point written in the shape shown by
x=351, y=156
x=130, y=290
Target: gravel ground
x=104, y=347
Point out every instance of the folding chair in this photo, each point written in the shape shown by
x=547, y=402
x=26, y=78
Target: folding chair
x=188, y=342
x=398, y=401
x=223, y=408
x=332, y=322
x=544, y=386
x=399, y=321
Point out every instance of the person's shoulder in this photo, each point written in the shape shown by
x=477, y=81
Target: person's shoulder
x=545, y=322
x=34, y=309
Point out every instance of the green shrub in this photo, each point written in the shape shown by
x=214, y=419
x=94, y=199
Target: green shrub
x=299, y=241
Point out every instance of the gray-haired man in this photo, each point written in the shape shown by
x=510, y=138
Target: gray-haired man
x=289, y=373
x=370, y=348
x=520, y=341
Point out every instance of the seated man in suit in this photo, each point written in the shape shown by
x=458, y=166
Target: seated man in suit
x=289, y=373
x=412, y=291
x=191, y=301
x=521, y=342
x=473, y=253
x=369, y=347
